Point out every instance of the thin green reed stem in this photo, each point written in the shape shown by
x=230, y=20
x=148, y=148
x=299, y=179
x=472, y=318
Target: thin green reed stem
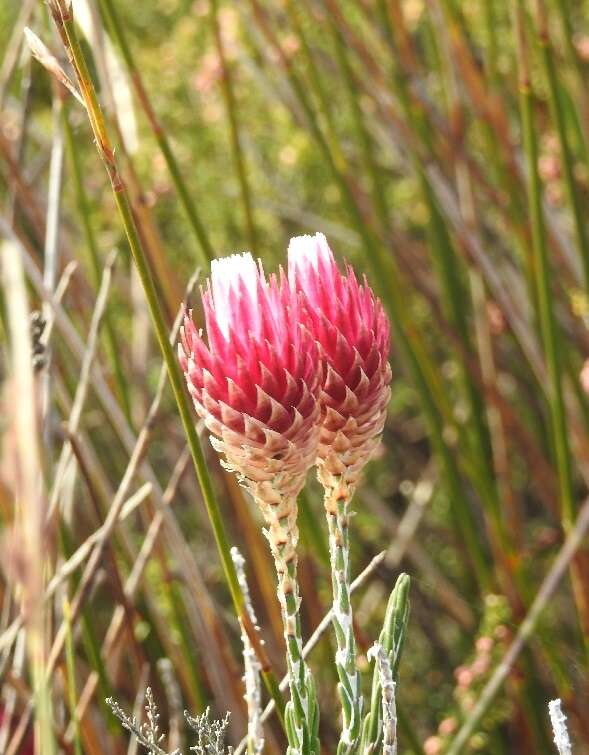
x=567, y=33
x=558, y=116
x=371, y=167
x=231, y=107
x=407, y=337
x=325, y=106
x=95, y=262
x=490, y=16
x=178, y=622
x=65, y=24
x=576, y=65
x=502, y=169
x=197, y=225
x=546, y=313
x=71, y=677
x=89, y=638
x=574, y=120
x=458, y=312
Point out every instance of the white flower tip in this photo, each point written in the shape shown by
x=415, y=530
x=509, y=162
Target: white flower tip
x=308, y=250
x=226, y=274
x=226, y=270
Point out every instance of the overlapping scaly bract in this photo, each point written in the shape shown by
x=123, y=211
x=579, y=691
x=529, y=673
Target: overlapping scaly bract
x=256, y=383
x=350, y=324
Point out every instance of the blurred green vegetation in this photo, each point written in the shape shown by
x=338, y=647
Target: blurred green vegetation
x=396, y=129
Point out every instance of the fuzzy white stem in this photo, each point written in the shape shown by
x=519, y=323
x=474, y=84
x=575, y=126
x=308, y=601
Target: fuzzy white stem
x=280, y=513
x=337, y=501
x=559, y=727
x=253, y=685
x=389, y=707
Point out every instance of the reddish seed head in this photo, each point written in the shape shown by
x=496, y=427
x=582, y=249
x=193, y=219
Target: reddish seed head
x=352, y=328
x=256, y=382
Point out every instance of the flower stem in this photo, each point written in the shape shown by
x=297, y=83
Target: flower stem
x=337, y=503
x=302, y=711
x=302, y=708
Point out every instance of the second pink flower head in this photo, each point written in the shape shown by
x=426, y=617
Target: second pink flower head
x=352, y=329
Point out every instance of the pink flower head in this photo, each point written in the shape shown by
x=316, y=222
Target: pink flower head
x=352, y=328
x=256, y=382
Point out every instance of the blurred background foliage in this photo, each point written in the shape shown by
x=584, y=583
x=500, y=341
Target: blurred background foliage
x=396, y=129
